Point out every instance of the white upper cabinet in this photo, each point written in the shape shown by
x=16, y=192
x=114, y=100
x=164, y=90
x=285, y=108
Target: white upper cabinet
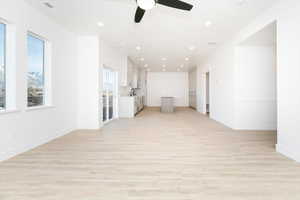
x=132, y=76
x=123, y=74
x=141, y=78
x=129, y=74
x=135, y=74
x=116, y=60
x=126, y=73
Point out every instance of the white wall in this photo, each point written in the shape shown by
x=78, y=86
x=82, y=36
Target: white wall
x=221, y=67
x=93, y=55
x=23, y=129
x=168, y=84
x=287, y=15
x=256, y=104
x=89, y=83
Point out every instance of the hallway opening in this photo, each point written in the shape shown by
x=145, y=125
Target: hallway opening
x=256, y=97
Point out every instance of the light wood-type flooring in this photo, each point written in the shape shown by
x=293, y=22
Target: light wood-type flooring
x=181, y=156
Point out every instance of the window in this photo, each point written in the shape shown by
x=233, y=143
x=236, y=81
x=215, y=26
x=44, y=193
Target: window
x=2, y=66
x=36, y=65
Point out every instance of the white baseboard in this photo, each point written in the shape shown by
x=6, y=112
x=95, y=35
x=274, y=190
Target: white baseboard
x=288, y=152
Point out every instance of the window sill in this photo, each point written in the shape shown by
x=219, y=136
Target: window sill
x=3, y=112
x=28, y=109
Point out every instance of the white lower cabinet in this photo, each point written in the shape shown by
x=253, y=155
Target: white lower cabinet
x=126, y=107
x=130, y=106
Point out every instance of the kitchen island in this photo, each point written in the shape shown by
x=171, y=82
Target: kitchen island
x=167, y=104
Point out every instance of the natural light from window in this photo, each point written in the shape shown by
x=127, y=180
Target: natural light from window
x=2, y=66
x=36, y=58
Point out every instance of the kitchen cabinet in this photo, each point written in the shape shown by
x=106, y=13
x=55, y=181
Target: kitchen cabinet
x=130, y=106
x=141, y=83
x=126, y=107
x=167, y=104
x=123, y=74
x=130, y=68
x=129, y=74
x=135, y=77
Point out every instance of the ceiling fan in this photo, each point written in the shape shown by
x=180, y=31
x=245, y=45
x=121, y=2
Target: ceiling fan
x=144, y=5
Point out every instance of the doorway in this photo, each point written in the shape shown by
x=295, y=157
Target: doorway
x=207, y=94
x=109, y=95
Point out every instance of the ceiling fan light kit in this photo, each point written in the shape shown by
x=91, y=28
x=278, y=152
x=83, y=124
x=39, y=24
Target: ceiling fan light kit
x=144, y=5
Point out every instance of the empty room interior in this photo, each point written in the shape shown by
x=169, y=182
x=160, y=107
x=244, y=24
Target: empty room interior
x=149, y=99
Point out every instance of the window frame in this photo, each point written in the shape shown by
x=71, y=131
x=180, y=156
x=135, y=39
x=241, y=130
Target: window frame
x=4, y=65
x=46, y=72
x=10, y=67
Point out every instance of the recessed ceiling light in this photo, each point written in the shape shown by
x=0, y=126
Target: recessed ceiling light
x=142, y=59
x=164, y=59
x=164, y=66
x=100, y=24
x=208, y=23
x=187, y=59
x=182, y=66
x=164, y=70
x=138, y=48
x=146, y=65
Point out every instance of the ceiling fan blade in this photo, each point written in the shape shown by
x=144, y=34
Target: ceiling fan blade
x=176, y=4
x=139, y=15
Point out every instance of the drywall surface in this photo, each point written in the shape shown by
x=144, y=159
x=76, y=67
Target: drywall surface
x=25, y=129
x=89, y=77
x=287, y=15
x=221, y=71
x=168, y=84
x=94, y=55
x=256, y=104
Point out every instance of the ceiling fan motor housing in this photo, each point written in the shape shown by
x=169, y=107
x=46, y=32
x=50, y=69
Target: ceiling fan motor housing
x=144, y=5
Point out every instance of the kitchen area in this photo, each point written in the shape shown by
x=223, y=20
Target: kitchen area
x=132, y=90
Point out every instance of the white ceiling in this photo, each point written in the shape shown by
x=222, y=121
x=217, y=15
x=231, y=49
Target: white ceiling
x=163, y=32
